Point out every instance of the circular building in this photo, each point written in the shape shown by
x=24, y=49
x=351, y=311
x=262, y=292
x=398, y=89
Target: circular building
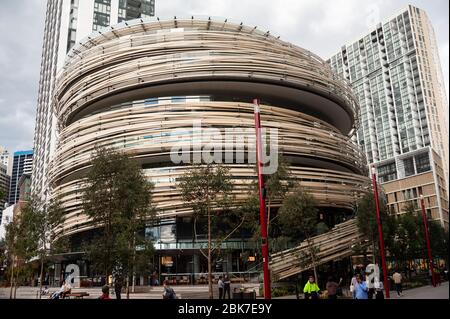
x=139, y=87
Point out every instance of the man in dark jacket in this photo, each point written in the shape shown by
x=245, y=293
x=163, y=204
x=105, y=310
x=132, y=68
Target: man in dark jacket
x=118, y=284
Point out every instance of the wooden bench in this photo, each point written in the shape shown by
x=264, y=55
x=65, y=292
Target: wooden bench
x=76, y=295
x=237, y=280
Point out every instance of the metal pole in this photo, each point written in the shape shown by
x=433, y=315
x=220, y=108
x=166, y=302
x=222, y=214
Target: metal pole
x=427, y=238
x=380, y=233
x=262, y=204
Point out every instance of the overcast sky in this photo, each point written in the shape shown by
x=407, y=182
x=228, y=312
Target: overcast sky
x=321, y=26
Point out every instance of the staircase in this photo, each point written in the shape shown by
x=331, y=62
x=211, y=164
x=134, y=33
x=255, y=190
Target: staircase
x=333, y=245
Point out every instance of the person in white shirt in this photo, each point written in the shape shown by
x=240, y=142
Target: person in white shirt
x=379, y=289
x=221, y=285
x=65, y=289
x=397, y=277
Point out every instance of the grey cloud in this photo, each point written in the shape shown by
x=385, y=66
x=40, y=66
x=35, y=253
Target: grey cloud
x=320, y=26
x=21, y=25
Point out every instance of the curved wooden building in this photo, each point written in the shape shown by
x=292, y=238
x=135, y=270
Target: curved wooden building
x=137, y=85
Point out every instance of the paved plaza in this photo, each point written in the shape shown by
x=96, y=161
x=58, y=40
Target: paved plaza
x=427, y=292
x=183, y=292
x=201, y=292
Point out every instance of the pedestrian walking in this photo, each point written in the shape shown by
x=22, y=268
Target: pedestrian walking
x=397, y=277
x=226, y=286
x=360, y=288
x=221, y=285
x=370, y=282
x=379, y=289
x=168, y=293
x=118, y=284
x=311, y=290
x=353, y=283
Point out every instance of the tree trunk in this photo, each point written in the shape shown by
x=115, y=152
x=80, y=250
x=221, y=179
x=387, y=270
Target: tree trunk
x=128, y=286
x=134, y=261
x=315, y=273
x=211, y=296
x=40, y=276
x=12, y=278
x=15, y=283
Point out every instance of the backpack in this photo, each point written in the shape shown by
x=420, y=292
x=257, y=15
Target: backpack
x=170, y=294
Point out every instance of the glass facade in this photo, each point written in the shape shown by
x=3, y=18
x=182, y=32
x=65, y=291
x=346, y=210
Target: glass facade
x=390, y=72
x=72, y=35
x=102, y=14
x=133, y=9
x=22, y=164
x=383, y=72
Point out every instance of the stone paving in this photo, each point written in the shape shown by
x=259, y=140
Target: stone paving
x=183, y=292
x=426, y=292
x=201, y=292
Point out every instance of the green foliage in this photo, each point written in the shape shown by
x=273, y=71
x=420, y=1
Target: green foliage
x=207, y=188
x=279, y=183
x=405, y=242
x=322, y=228
x=298, y=218
x=298, y=215
x=404, y=234
x=366, y=216
x=439, y=240
x=118, y=199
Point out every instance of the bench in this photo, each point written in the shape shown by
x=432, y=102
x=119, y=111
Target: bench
x=76, y=295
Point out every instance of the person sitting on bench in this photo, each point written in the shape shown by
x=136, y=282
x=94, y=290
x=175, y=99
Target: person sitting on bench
x=66, y=288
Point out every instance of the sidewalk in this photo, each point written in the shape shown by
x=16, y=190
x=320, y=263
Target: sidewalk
x=147, y=292
x=201, y=292
x=426, y=292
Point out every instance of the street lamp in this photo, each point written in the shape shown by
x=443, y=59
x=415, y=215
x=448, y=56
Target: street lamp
x=262, y=203
x=380, y=232
x=427, y=238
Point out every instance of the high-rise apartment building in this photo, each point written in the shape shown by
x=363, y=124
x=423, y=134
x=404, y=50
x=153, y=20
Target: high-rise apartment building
x=22, y=164
x=6, y=159
x=395, y=72
x=4, y=187
x=67, y=22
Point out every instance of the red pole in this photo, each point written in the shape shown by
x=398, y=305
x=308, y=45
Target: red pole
x=380, y=233
x=262, y=204
x=427, y=238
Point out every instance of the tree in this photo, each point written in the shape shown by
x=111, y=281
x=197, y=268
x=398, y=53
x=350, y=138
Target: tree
x=403, y=244
x=439, y=240
x=298, y=217
x=48, y=217
x=407, y=240
x=277, y=185
x=118, y=199
x=206, y=188
x=366, y=218
x=21, y=244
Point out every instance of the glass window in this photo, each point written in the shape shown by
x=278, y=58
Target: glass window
x=387, y=172
x=178, y=99
x=102, y=10
x=422, y=163
x=409, y=166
